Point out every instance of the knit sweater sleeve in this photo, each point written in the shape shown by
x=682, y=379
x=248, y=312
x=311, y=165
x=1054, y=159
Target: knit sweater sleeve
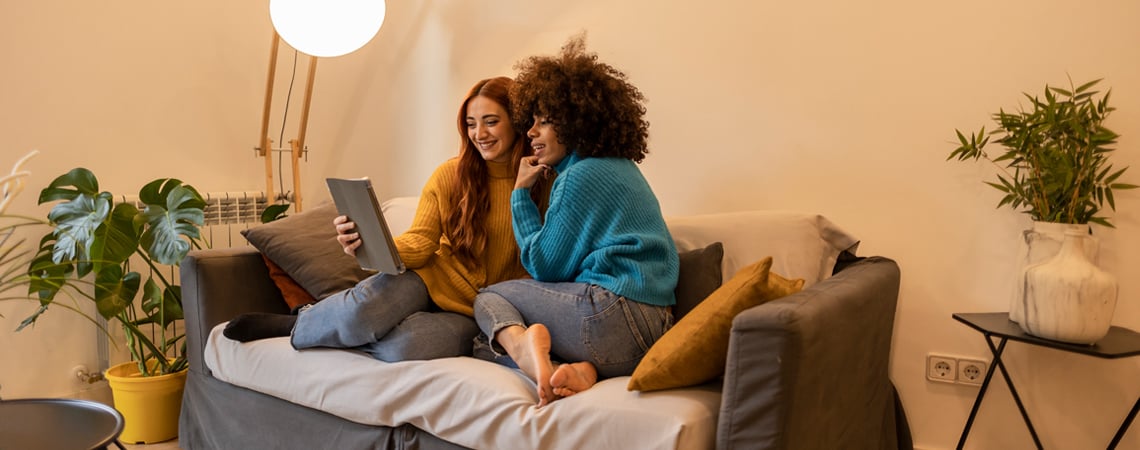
x=549, y=251
x=421, y=240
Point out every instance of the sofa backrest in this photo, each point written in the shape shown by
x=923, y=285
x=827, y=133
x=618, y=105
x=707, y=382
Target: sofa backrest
x=802, y=245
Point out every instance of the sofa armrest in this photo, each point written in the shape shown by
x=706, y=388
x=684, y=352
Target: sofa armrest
x=811, y=370
x=219, y=284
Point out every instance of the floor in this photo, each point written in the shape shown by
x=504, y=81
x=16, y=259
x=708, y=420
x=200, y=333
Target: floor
x=168, y=445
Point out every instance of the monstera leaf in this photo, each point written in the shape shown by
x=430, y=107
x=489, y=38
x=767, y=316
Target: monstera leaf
x=80, y=180
x=46, y=276
x=114, y=290
x=173, y=211
x=162, y=306
x=76, y=222
x=88, y=231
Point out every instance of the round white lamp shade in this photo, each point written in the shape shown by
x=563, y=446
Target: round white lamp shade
x=327, y=27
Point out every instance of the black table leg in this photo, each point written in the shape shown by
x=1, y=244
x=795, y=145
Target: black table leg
x=1012, y=390
x=1124, y=426
x=981, y=394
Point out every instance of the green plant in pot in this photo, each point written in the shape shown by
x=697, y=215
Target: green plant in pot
x=1054, y=166
x=87, y=254
x=121, y=258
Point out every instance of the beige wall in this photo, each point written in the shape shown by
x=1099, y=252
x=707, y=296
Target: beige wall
x=842, y=108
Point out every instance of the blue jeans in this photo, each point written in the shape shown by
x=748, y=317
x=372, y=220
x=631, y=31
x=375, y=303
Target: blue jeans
x=586, y=322
x=390, y=317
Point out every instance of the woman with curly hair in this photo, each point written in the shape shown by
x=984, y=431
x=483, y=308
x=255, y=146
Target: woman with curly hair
x=604, y=265
x=460, y=241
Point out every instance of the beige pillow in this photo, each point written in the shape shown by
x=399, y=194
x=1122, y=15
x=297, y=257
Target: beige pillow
x=695, y=349
x=802, y=245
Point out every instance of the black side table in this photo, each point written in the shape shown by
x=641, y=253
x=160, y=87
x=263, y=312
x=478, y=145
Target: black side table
x=45, y=423
x=1119, y=343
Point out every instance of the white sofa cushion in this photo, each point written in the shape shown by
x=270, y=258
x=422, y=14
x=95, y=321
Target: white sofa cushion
x=470, y=402
x=802, y=245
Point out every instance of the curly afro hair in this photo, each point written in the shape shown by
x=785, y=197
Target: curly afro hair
x=595, y=110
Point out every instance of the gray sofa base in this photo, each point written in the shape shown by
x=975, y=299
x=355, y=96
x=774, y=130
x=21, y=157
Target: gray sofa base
x=218, y=415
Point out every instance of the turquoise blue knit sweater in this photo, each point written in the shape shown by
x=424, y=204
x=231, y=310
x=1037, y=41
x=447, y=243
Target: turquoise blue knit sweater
x=603, y=227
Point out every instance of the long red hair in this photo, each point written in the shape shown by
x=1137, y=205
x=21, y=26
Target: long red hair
x=471, y=200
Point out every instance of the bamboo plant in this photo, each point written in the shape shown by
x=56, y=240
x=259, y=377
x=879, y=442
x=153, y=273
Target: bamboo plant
x=1054, y=165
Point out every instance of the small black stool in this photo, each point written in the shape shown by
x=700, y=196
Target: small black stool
x=53, y=423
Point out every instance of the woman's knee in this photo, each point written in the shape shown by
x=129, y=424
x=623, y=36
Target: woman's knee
x=424, y=336
x=382, y=291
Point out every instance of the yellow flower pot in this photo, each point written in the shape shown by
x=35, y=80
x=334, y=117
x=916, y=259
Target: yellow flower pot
x=150, y=405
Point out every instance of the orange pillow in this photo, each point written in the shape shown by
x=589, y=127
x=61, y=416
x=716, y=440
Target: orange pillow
x=696, y=348
x=295, y=295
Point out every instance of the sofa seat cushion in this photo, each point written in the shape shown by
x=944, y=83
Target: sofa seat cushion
x=470, y=402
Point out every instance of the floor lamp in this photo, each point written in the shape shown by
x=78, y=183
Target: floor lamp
x=296, y=146
x=318, y=29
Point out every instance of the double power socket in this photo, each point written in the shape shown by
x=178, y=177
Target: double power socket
x=952, y=369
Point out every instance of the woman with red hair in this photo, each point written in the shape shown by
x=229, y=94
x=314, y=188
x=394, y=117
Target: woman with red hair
x=460, y=241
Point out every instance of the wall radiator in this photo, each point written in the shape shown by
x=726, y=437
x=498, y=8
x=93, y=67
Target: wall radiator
x=226, y=215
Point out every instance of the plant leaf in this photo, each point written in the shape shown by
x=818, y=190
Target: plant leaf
x=114, y=290
x=162, y=306
x=76, y=223
x=172, y=216
x=276, y=212
x=1090, y=84
x=81, y=181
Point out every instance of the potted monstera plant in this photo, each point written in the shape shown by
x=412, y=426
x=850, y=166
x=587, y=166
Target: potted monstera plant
x=1054, y=166
x=119, y=256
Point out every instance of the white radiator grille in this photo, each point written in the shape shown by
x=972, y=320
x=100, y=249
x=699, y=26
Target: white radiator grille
x=234, y=207
x=226, y=214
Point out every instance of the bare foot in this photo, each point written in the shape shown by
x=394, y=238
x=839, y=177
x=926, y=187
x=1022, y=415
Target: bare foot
x=573, y=378
x=534, y=360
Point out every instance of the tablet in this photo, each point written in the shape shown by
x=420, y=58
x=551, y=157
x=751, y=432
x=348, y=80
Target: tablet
x=356, y=199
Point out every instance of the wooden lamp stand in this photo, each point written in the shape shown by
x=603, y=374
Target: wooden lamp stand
x=296, y=146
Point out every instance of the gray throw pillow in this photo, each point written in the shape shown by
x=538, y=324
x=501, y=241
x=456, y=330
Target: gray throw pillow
x=700, y=275
x=305, y=247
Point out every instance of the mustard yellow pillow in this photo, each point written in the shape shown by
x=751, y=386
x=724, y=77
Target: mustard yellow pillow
x=695, y=349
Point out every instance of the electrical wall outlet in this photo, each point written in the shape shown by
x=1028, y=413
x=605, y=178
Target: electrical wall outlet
x=971, y=371
x=941, y=368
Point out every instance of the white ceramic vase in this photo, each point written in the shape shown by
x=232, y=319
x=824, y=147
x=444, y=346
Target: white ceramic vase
x=1068, y=298
x=1038, y=245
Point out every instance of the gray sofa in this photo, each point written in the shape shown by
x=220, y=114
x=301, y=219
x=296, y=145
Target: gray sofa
x=807, y=371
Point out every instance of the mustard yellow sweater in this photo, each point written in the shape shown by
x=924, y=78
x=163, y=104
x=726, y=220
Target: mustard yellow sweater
x=426, y=250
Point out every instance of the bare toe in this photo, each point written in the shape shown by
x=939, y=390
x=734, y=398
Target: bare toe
x=573, y=378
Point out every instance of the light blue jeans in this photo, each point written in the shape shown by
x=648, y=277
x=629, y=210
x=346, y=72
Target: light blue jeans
x=391, y=317
x=586, y=322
